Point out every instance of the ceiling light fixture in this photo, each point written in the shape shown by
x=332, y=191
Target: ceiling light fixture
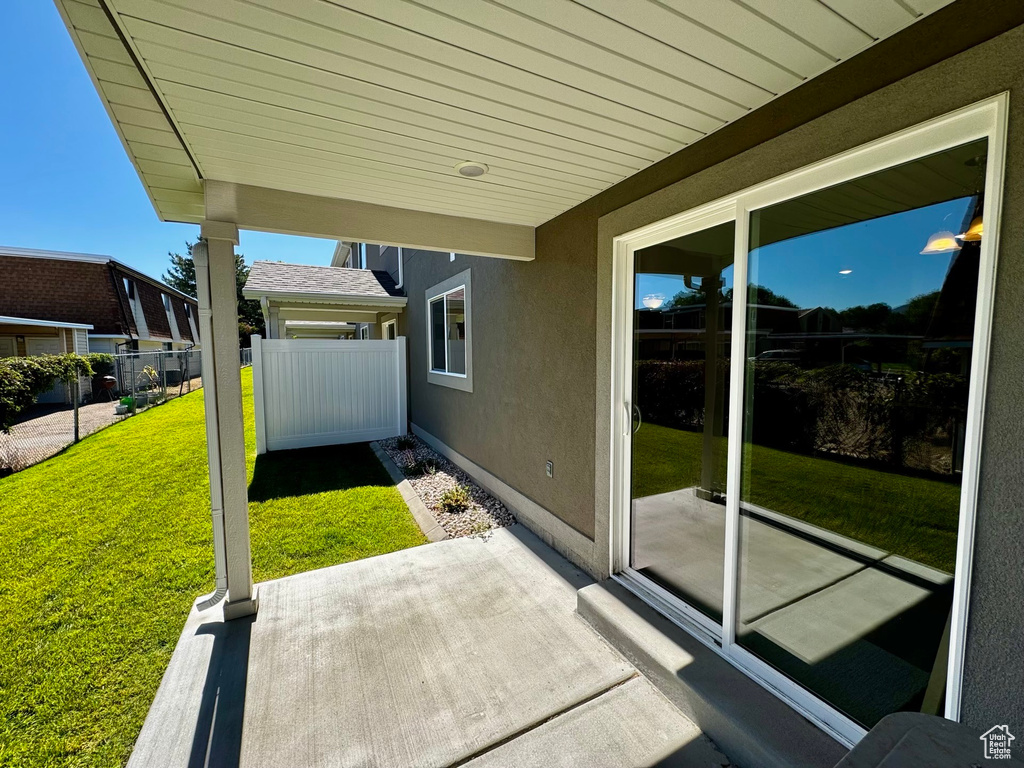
x=941, y=242
x=845, y=271
x=471, y=169
x=654, y=300
x=974, y=232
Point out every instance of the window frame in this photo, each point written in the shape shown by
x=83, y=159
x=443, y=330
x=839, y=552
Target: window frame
x=445, y=378
x=393, y=323
x=364, y=333
x=985, y=119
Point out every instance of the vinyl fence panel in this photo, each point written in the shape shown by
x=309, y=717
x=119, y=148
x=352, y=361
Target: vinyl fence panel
x=310, y=392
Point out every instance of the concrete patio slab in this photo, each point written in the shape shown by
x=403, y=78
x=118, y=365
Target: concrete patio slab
x=426, y=657
x=632, y=724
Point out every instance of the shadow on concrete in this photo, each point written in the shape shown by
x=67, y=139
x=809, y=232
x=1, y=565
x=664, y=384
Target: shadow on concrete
x=218, y=734
x=304, y=471
x=555, y=562
x=693, y=753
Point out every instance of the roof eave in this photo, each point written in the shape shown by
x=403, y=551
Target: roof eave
x=327, y=298
x=7, y=320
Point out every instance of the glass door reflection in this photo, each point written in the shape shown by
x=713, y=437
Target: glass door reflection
x=859, y=347
x=681, y=340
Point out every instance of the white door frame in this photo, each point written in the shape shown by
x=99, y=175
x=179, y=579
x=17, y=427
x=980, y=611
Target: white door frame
x=986, y=119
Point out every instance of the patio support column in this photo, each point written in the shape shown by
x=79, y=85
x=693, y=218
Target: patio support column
x=222, y=391
x=265, y=309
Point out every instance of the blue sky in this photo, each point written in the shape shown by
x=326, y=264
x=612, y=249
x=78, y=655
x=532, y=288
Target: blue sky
x=67, y=182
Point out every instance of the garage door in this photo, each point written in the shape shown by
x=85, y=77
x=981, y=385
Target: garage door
x=47, y=346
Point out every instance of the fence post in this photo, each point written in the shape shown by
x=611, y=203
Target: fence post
x=135, y=404
x=163, y=374
x=403, y=403
x=257, y=394
x=75, y=398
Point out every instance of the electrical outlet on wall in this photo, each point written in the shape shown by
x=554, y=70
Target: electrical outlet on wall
x=549, y=469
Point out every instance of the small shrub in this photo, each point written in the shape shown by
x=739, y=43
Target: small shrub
x=23, y=378
x=455, y=499
x=422, y=467
x=405, y=443
x=102, y=364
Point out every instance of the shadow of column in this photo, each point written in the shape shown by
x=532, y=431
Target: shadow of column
x=218, y=735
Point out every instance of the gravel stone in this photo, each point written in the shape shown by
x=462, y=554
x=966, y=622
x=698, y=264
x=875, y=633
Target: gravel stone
x=485, y=513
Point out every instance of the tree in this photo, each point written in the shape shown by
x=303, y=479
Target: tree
x=182, y=274
x=919, y=311
x=759, y=294
x=182, y=277
x=870, y=318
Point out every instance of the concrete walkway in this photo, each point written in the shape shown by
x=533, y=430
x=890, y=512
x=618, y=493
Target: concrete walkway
x=462, y=652
x=49, y=430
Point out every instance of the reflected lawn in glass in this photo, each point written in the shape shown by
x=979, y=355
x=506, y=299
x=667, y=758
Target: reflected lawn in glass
x=858, y=356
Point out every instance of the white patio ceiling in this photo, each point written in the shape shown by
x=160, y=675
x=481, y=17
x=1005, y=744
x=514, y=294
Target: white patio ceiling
x=377, y=100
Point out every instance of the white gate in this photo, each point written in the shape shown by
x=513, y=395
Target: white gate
x=324, y=391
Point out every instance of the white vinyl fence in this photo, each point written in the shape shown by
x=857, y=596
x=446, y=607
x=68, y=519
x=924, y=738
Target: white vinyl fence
x=324, y=391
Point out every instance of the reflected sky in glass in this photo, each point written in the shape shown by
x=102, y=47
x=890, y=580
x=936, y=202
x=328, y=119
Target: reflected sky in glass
x=889, y=246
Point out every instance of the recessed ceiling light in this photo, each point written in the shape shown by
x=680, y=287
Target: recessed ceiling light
x=471, y=169
x=845, y=271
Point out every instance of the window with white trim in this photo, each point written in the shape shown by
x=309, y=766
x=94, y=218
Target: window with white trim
x=390, y=330
x=449, y=334
x=364, y=332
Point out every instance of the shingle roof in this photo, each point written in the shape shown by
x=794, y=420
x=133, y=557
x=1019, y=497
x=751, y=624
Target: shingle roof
x=273, y=276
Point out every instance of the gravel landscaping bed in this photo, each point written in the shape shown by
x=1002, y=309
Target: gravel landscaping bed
x=431, y=475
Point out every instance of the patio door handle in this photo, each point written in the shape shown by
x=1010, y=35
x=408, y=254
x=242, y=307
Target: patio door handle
x=628, y=428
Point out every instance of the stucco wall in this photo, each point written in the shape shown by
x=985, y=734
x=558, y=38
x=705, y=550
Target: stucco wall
x=533, y=387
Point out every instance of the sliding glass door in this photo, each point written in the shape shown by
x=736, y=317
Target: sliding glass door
x=681, y=336
x=861, y=302
x=802, y=422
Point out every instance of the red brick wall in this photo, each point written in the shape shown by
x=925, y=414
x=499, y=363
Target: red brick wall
x=65, y=291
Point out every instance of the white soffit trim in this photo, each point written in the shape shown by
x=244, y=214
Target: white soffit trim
x=379, y=100
x=43, y=323
x=329, y=298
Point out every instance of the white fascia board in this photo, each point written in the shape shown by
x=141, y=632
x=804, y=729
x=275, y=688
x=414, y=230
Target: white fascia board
x=43, y=323
x=295, y=213
x=35, y=253
x=328, y=298
x=319, y=324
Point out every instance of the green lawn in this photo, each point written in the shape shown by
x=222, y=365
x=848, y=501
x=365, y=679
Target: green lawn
x=106, y=546
x=909, y=516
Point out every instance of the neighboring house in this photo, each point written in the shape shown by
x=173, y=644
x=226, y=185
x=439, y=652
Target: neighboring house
x=26, y=337
x=301, y=301
x=123, y=308
x=854, y=152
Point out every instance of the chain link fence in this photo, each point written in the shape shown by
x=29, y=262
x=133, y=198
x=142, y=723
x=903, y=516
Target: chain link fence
x=135, y=382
